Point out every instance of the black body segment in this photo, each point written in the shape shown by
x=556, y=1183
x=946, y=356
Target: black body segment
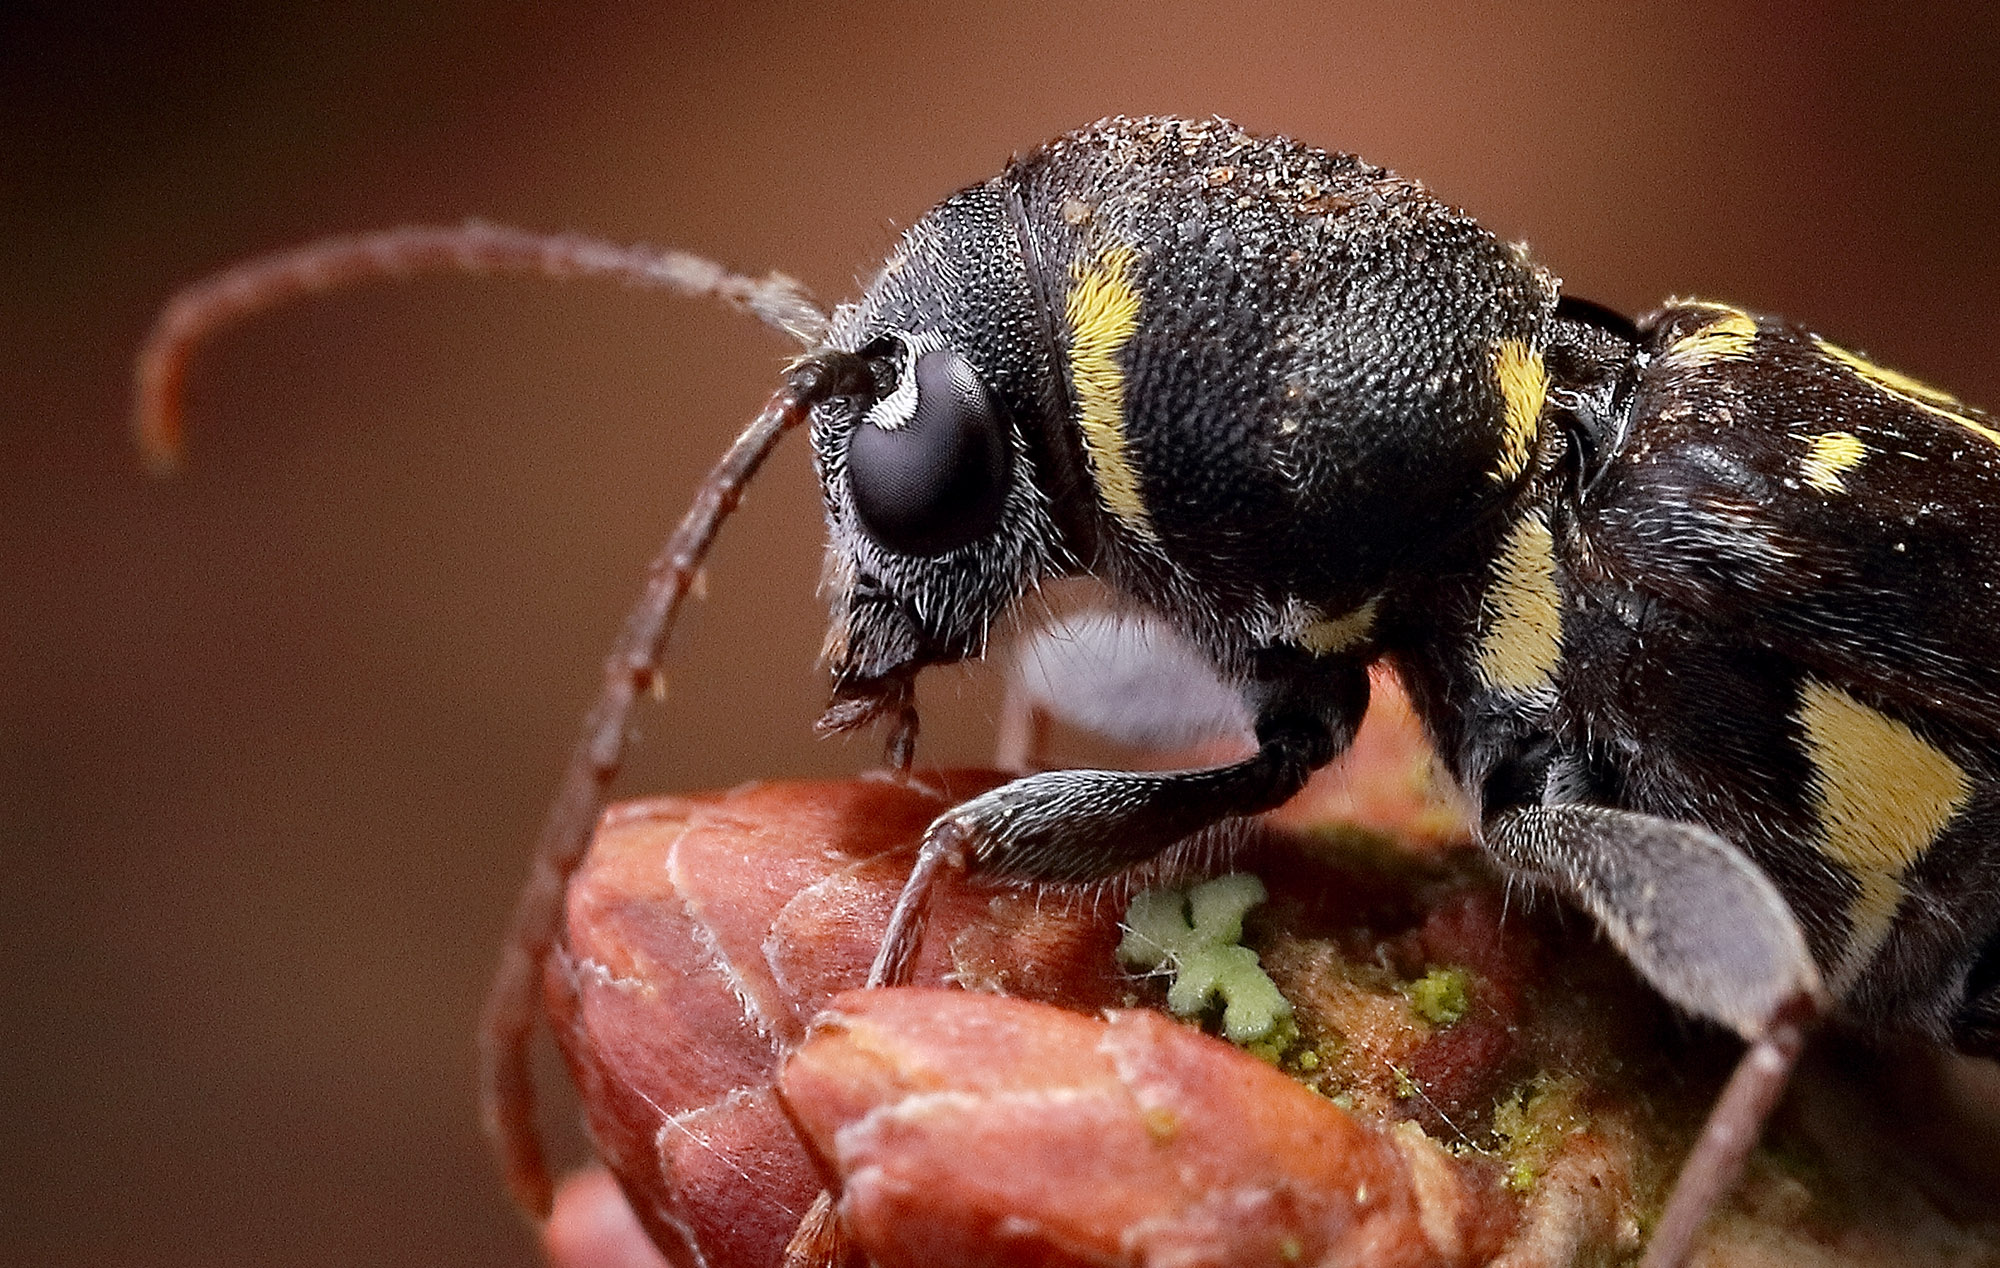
x=1312, y=340
x=1782, y=638
x=1976, y=1028
x=1815, y=677
x=1700, y=610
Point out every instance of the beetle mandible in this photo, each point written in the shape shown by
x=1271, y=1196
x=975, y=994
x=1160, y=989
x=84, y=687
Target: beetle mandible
x=1699, y=611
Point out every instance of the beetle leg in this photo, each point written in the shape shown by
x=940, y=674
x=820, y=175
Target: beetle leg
x=1021, y=740
x=1734, y=1123
x=1080, y=825
x=1690, y=912
x=1711, y=933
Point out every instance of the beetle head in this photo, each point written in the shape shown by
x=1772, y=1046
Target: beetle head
x=937, y=510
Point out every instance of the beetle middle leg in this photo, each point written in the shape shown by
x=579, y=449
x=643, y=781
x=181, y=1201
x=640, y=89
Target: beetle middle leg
x=1079, y=825
x=1711, y=933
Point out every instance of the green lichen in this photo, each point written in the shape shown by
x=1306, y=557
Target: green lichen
x=1439, y=996
x=1510, y=1118
x=1196, y=935
x=1530, y=1124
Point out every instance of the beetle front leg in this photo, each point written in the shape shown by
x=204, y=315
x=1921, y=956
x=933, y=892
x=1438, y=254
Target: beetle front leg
x=1710, y=932
x=1079, y=825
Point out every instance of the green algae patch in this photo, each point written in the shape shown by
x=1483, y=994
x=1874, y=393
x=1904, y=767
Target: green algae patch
x=1532, y=1123
x=1439, y=996
x=1196, y=935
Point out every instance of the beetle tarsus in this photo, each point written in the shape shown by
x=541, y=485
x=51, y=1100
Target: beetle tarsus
x=944, y=846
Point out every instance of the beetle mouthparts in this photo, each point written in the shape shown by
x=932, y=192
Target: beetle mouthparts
x=859, y=701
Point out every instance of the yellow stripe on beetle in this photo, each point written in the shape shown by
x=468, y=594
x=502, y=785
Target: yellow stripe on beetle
x=1882, y=795
x=1521, y=646
x=1328, y=635
x=1830, y=457
x=1102, y=312
x=1524, y=388
x=1909, y=390
x=1727, y=338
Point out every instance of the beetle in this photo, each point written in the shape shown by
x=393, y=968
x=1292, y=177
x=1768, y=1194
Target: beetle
x=1698, y=610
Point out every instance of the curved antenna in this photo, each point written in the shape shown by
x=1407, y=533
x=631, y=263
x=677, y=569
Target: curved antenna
x=244, y=289
x=507, y=1023
x=507, y=1026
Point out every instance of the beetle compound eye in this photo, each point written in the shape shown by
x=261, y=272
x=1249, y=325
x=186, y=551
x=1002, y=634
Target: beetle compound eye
x=929, y=463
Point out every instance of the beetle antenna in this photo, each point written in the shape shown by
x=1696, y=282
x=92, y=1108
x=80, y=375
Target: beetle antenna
x=252, y=286
x=507, y=1026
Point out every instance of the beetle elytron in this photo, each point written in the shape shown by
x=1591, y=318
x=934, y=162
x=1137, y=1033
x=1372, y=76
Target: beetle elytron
x=1700, y=611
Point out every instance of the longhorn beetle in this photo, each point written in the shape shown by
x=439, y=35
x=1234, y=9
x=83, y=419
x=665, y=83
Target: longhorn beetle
x=1700, y=610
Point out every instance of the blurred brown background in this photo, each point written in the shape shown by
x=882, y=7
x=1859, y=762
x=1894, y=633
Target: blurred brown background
x=273, y=737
